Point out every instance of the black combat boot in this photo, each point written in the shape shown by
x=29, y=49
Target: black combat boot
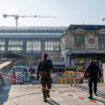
x=48, y=95
x=95, y=94
x=90, y=97
x=45, y=99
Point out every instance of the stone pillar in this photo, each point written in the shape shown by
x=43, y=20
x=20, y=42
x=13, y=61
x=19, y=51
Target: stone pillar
x=103, y=71
x=42, y=47
x=72, y=62
x=104, y=75
x=68, y=60
x=67, y=57
x=24, y=46
x=6, y=45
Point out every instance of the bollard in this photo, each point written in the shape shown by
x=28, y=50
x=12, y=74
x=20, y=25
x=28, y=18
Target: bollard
x=70, y=79
x=75, y=79
x=61, y=82
x=65, y=77
x=58, y=82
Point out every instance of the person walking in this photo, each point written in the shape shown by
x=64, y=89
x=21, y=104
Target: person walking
x=93, y=72
x=43, y=72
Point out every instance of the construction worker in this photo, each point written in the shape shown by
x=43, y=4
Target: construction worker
x=92, y=72
x=43, y=72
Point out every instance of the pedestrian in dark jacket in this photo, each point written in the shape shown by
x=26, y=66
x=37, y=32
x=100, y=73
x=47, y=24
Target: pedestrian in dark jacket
x=93, y=73
x=43, y=72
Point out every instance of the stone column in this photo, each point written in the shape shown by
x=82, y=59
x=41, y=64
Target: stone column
x=42, y=47
x=24, y=46
x=67, y=57
x=103, y=71
x=104, y=75
x=72, y=62
x=6, y=45
x=68, y=60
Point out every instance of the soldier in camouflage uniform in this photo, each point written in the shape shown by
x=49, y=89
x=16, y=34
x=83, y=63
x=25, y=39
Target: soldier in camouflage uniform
x=43, y=72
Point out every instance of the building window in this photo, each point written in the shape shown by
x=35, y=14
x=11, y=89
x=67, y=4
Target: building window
x=56, y=46
x=2, y=48
x=79, y=40
x=33, y=46
x=15, y=45
x=2, y=45
x=51, y=45
x=101, y=40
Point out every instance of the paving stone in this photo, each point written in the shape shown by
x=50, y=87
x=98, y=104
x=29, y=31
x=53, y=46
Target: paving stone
x=29, y=95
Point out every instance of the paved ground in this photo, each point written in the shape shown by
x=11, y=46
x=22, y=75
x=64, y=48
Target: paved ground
x=4, y=91
x=31, y=95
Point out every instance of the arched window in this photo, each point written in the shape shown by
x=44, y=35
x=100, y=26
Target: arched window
x=101, y=41
x=79, y=40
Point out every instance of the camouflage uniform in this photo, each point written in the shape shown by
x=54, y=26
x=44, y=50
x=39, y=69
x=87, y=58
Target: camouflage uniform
x=46, y=80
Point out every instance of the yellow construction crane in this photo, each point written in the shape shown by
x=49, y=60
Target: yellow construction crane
x=16, y=17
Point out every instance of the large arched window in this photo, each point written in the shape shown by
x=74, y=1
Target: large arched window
x=79, y=40
x=101, y=41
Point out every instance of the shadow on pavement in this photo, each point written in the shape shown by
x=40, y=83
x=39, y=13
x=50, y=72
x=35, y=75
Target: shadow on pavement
x=55, y=103
x=73, y=91
x=23, y=95
x=52, y=102
x=100, y=93
x=98, y=100
x=4, y=91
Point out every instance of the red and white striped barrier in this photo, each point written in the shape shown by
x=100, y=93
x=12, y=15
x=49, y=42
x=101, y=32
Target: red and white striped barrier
x=31, y=75
x=80, y=72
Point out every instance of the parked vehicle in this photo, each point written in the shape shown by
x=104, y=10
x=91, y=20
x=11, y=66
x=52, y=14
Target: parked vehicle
x=22, y=74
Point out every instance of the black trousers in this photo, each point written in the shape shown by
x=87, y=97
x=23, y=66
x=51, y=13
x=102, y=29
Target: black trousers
x=92, y=81
x=46, y=82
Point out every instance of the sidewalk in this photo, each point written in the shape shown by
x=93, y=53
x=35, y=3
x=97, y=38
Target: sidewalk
x=31, y=95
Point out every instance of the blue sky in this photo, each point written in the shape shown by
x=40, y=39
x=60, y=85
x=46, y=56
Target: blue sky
x=66, y=12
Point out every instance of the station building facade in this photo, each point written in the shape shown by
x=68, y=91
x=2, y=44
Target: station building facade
x=31, y=41
x=81, y=43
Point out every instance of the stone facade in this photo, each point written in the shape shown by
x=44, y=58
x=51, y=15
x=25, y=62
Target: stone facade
x=81, y=43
